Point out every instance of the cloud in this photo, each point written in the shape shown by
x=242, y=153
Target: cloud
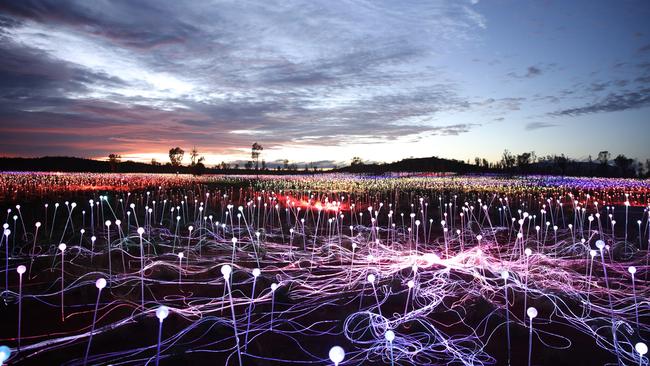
x=533, y=71
x=613, y=102
x=150, y=74
x=532, y=126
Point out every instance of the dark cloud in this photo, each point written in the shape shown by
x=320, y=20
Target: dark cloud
x=538, y=125
x=533, y=71
x=613, y=102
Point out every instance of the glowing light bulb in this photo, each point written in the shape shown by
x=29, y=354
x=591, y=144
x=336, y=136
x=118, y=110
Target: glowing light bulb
x=100, y=283
x=337, y=354
x=389, y=335
x=226, y=270
x=162, y=312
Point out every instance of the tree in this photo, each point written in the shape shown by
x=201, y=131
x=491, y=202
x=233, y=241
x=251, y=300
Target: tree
x=356, y=161
x=477, y=161
x=508, y=160
x=113, y=161
x=603, y=157
x=263, y=164
x=176, y=156
x=561, y=162
x=248, y=165
x=524, y=160
x=256, y=150
x=194, y=155
x=623, y=163
x=154, y=162
x=285, y=162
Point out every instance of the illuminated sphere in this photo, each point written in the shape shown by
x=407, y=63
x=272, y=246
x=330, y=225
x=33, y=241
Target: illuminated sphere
x=632, y=270
x=593, y=253
x=505, y=275
x=100, y=283
x=532, y=312
x=190, y=228
x=600, y=244
x=62, y=246
x=389, y=335
x=162, y=312
x=354, y=245
x=410, y=283
x=528, y=251
x=38, y=224
x=256, y=272
x=234, y=240
x=371, y=278
x=140, y=230
x=641, y=348
x=108, y=223
x=93, y=238
x=226, y=270
x=21, y=269
x=5, y=352
x=337, y=354
x=181, y=255
x=274, y=286
x=479, y=237
x=7, y=232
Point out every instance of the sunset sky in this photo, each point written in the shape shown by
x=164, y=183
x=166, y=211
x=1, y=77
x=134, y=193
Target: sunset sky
x=324, y=81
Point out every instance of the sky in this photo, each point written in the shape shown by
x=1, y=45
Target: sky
x=324, y=81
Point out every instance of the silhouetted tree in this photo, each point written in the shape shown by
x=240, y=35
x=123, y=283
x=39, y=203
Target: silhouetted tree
x=285, y=162
x=623, y=163
x=524, y=160
x=356, y=161
x=561, y=162
x=176, y=156
x=256, y=150
x=263, y=164
x=508, y=160
x=113, y=161
x=155, y=162
x=248, y=165
x=194, y=155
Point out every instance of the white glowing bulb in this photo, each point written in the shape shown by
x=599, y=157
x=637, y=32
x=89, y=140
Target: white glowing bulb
x=100, y=283
x=337, y=354
x=162, y=312
x=226, y=270
x=389, y=335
